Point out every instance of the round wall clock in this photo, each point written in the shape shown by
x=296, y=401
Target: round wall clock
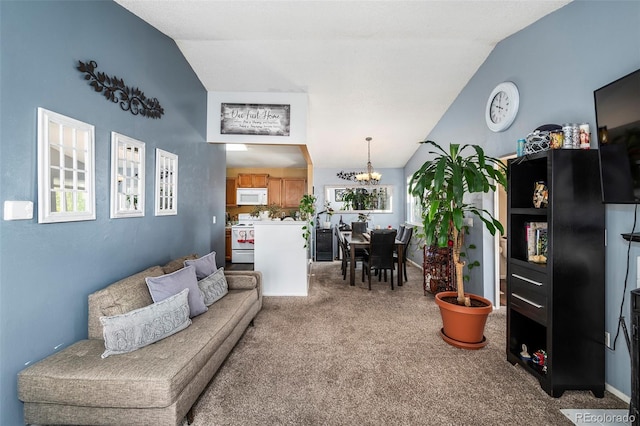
x=502, y=106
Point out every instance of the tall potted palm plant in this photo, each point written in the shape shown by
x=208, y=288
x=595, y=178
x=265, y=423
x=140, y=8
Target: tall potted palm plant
x=441, y=184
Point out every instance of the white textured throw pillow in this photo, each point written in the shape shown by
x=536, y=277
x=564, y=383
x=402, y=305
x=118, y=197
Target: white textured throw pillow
x=214, y=287
x=141, y=327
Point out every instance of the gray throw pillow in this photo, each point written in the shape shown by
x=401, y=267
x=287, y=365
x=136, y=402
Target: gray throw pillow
x=141, y=327
x=205, y=265
x=214, y=287
x=167, y=285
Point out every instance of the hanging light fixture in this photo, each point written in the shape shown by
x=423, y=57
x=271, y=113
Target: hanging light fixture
x=369, y=177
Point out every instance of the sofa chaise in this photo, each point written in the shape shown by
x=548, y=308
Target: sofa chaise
x=154, y=385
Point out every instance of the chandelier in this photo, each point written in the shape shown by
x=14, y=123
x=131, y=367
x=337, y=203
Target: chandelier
x=368, y=177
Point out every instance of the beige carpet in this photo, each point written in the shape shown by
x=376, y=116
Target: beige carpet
x=349, y=356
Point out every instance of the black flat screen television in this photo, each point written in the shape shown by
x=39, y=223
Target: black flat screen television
x=618, y=131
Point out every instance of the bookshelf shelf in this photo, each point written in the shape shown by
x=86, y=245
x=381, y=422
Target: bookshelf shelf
x=557, y=306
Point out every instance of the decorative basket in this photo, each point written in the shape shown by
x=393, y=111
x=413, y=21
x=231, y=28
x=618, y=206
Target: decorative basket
x=537, y=141
x=438, y=269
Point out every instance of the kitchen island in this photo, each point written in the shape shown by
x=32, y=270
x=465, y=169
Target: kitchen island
x=281, y=257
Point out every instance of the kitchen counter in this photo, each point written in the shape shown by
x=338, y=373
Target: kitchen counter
x=281, y=257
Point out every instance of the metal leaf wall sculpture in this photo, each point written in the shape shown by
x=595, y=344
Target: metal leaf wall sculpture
x=113, y=88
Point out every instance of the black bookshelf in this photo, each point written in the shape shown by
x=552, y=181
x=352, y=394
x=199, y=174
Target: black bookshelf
x=558, y=306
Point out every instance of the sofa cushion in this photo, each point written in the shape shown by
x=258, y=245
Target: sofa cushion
x=205, y=265
x=141, y=327
x=153, y=376
x=168, y=285
x=119, y=298
x=178, y=263
x=214, y=287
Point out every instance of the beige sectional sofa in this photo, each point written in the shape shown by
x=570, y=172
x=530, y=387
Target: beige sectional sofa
x=155, y=385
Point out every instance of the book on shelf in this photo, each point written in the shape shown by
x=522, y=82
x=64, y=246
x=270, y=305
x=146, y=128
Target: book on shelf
x=536, y=235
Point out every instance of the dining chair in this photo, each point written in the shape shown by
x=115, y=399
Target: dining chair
x=401, y=229
x=346, y=256
x=358, y=227
x=379, y=255
x=406, y=240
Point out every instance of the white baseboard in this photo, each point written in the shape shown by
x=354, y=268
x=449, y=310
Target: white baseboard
x=617, y=393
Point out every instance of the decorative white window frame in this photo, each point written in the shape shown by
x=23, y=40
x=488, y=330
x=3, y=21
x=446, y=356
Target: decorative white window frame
x=66, y=169
x=166, y=193
x=414, y=209
x=127, y=176
x=333, y=195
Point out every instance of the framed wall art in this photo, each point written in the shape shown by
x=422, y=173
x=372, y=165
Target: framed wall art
x=166, y=193
x=66, y=169
x=127, y=176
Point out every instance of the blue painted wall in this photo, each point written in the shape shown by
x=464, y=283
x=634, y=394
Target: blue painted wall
x=557, y=63
x=47, y=270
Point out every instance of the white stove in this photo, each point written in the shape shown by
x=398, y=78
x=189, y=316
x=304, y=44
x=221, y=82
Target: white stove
x=243, y=239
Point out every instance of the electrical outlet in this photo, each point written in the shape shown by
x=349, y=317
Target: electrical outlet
x=214, y=220
x=607, y=339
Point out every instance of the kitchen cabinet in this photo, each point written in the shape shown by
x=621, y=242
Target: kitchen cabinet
x=231, y=192
x=557, y=304
x=253, y=180
x=292, y=191
x=274, y=188
x=227, y=244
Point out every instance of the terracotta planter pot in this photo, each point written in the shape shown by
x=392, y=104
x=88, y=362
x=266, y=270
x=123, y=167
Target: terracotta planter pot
x=463, y=326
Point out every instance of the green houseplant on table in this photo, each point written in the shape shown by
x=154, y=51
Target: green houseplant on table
x=441, y=184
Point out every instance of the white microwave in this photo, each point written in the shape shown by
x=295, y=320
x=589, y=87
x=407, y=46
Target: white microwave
x=251, y=196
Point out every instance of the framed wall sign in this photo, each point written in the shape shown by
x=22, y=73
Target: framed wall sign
x=255, y=119
x=127, y=176
x=166, y=199
x=66, y=169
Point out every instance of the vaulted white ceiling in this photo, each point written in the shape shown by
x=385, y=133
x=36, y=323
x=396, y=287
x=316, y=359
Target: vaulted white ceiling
x=385, y=69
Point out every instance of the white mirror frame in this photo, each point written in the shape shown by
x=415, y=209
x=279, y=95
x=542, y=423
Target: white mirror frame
x=127, y=176
x=166, y=194
x=332, y=195
x=66, y=169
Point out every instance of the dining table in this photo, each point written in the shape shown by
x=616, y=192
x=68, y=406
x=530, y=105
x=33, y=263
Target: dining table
x=356, y=241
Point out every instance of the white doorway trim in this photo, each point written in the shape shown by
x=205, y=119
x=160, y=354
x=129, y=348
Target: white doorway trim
x=496, y=242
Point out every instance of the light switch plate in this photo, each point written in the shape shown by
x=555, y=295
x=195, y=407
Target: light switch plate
x=18, y=210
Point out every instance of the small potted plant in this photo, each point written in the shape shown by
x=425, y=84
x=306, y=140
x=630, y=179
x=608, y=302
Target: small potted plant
x=328, y=211
x=441, y=184
x=307, y=211
x=274, y=211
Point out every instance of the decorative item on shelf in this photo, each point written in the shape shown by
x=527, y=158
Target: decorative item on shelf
x=571, y=136
x=540, y=139
x=536, y=239
x=369, y=176
x=585, y=136
x=540, y=195
x=556, y=139
x=540, y=358
x=113, y=89
x=524, y=354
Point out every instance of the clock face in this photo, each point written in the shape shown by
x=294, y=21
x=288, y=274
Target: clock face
x=499, y=107
x=502, y=106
